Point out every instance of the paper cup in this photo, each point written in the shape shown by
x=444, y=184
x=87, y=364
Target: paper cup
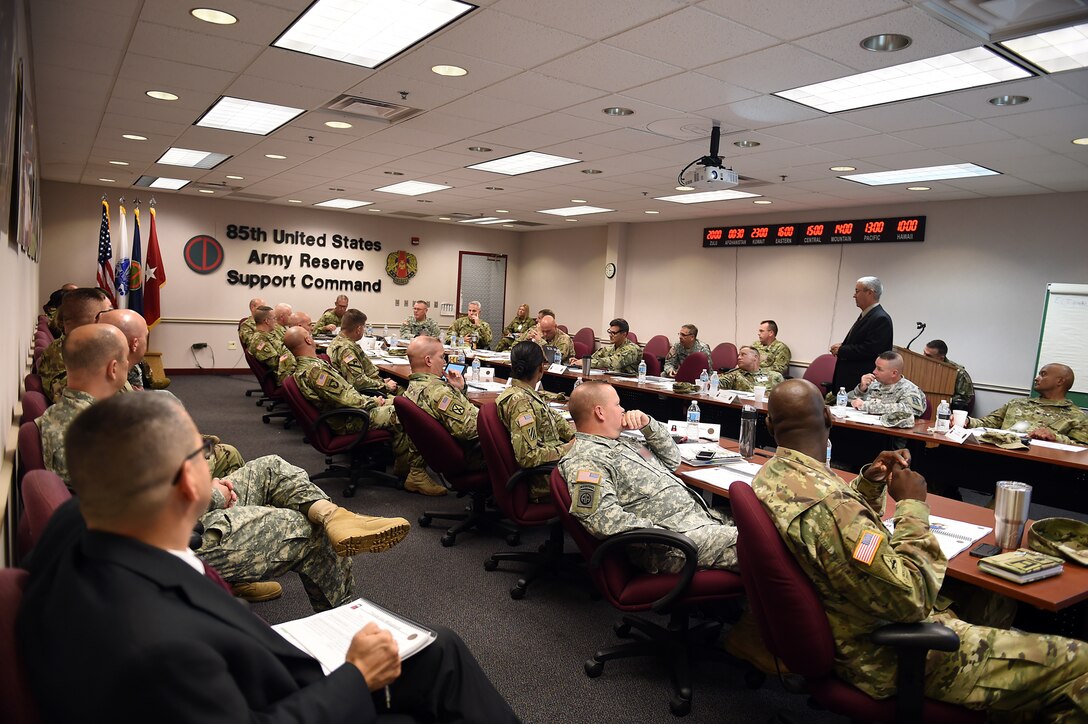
x=760, y=391
x=959, y=418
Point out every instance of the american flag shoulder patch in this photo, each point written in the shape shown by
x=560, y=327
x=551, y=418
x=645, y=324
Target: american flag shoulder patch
x=349, y=358
x=867, y=546
x=444, y=403
x=526, y=419
x=322, y=379
x=588, y=476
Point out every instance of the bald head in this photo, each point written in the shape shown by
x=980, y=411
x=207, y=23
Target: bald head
x=282, y=312
x=91, y=351
x=300, y=319
x=300, y=341
x=798, y=418
x=254, y=304
x=133, y=326
x=585, y=398
x=425, y=354
x=547, y=325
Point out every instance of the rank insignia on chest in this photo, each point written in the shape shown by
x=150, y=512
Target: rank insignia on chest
x=867, y=547
x=526, y=419
x=444, y=403
x=322, y=379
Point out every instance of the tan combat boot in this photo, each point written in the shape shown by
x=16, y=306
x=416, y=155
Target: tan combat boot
x=418, y=481
x=745, y=642
x=257, y=592
x=352, y=534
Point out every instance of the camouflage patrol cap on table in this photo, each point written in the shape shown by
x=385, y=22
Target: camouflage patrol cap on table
x=897, y=418
x=683, y=387
x=1062, y=537
x=1006, y=440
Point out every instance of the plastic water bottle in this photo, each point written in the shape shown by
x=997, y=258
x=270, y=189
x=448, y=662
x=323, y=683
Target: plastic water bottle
x=827, y=461
x=693, y=421
x=475, y=369
x=442, y=336
x=642, y=372
x=840, y=398
x=715, y=384
x=369, y=330
x=577, y=381
x=704, y=382
x=557, y=358
x=944, y=416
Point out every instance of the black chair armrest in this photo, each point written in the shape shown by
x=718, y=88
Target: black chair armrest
x=912, y=642
x=924, y=636
x=520, y=476
x=655, y=536
x=346, y=413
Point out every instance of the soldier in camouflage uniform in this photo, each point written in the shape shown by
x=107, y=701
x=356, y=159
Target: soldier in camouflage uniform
x=267, y=346
x=332, y=318
x=867, y=578
x=349, y=359
x=419, y=323
x=748, y=373
x=78, y=308
x=964, y=392
x=247, y=327
x=471, y=325
x=885, y=390
x=623, y=356
x=773, y=354
x=617, y=484
x=1048, y=417
x=538, y=434
x=548, y=334
x=689, y=343
x=518, y=326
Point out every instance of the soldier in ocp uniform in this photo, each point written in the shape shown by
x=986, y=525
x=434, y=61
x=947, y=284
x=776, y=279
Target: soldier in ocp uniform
x=867, y=577
x=688, y=344
x=618, y=484
x=332, y=318
x=748, y=374
x=266, y=344
x=538, y=434
x=78, y=308
x=518, y=326
x=964, y=392
x=773, y=354
x=471, y=325
x=885, y=391
x=622, y=356
x=548, y=334
x=1050, y=416
x=419, y=323
x=349, y=359
x=247, y=327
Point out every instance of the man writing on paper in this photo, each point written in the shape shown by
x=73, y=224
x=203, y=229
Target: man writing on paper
x=867, y=577
x=1050, y=416
x=145, y=630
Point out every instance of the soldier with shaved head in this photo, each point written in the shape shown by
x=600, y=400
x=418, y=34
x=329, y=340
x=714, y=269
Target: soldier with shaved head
x=246, y=326
x=79, y=307
x=1050, y=416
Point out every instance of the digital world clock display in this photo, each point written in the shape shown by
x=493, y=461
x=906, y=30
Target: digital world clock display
x=814, y=233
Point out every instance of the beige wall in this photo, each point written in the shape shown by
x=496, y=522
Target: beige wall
x=564, y=270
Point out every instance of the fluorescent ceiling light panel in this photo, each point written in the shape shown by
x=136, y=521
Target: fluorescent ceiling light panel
x=575, y=211
x=412, y=188
x=706, y=196
x=479, y=220
x=367, y=32
x=1054, y=51
x=928, y=173
x=488, y=222
x=955, y=71
x=192, y=159
x=239, y=114
x=523, y=163
x=343, y=204
x=161, y=182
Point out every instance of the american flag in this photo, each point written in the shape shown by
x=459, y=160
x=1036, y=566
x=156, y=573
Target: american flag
x=105, y=255
x=867, y=546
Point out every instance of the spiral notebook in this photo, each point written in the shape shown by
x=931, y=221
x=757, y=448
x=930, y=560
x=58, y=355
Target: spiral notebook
x=954, y=536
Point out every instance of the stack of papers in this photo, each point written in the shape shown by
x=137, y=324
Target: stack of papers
x=689, y=452
x=849, y=413
x=484, y=386
x=954, y=536
x=723, y=477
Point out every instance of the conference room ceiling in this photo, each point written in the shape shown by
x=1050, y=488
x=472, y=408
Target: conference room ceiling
x=540, y=73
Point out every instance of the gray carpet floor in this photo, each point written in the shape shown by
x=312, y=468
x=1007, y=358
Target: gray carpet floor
x=533, y=649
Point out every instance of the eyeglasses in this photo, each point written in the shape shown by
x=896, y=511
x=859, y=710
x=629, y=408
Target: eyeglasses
x=614, y=332
x=686, y=334
x=206, y=447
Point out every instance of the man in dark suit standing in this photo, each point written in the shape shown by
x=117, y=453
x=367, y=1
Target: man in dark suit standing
x=870, y=336
x=122, y=622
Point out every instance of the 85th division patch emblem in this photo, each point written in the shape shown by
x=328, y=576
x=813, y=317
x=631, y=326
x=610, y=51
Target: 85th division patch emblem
x=401, y=266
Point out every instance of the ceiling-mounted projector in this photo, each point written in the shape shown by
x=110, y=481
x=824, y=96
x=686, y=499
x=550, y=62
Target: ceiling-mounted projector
x=715, y=176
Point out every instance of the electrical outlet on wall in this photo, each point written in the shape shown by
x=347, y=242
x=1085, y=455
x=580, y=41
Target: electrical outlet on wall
x=232, y=345
x=396, y=302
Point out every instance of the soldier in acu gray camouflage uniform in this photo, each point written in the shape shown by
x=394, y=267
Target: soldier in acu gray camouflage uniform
x=1051, y=416
x=867, y=577
x=885, y=390
x=689, y=344
x=617, y=484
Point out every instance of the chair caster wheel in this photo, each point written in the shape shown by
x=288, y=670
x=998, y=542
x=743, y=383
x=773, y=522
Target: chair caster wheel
x=679, y=706
x=594, y=668
x=622, y=629
x=491, y=564
x=518, y=592
x=513, y=539
x=447, y=541
x=424, y=521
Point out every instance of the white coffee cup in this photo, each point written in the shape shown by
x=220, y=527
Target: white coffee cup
x=959, y=418
x=760, y=391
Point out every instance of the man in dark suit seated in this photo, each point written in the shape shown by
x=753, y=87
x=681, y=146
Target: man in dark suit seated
x=121, y=622
x=870, y=335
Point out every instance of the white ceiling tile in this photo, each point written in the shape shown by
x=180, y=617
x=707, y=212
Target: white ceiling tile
x=914, y=159
x=818, y=130
x=417, y=64
x=875, y=145
x=610, y=69
x=776, y=69
x=1055, y=121
x=508, y=39
x=495, y=111
x=954, y=134
x=283, y=94
x=902, y=116
x=1042, y=92
x=690, y=92
x=691, y=38
x=597, y=20
x=783, y=18
x=760, y=112
x=540, y=90
x=630, y=139
x=151, y=73
x=193, y=47
x=301, y=69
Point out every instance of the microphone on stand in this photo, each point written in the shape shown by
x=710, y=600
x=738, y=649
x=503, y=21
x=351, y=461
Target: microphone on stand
x=921, y=328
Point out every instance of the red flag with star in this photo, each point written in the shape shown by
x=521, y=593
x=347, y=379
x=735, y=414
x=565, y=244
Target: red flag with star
x=154, y=276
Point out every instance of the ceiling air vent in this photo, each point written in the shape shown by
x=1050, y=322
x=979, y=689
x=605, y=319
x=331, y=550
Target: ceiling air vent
x=374, y=110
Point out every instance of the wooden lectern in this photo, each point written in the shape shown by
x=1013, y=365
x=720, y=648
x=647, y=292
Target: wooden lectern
x=937, y=379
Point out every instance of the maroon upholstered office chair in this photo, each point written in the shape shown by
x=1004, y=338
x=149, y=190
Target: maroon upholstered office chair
x=631, y=589
x=34, y=404
x=692, y=366
x=582, y=349
x=33, y=383
x=586, y=336
x=653, y=364
x=272, y=395
x=794, y=626
x=510, y=489
x=821, y=371
x=30, y=449
x=43, y=492
x=632, y=337
x=16, y=702
x=365, y=449
x=562, y=328
x=658, y=346
x=445, y=456
x=724, y=356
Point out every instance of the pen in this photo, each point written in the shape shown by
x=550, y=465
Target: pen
x=388, y=699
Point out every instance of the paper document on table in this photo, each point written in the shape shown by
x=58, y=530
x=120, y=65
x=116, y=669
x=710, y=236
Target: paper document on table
x=327, y=635
x=849, y=413
x=393, y=360
x=485, y=386
x=723, y=477
x=954, y=536
x=689, y=453
x=1058, y=446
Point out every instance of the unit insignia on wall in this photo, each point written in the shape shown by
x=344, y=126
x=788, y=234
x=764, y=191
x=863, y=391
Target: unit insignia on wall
x=401, y=266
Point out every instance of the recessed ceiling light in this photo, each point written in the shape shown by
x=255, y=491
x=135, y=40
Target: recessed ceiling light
x=1009, y=100
x=450, y=71
x=161, y=95
x=108, y=180
x=570, y=219
x=343, y=203
x=367, y=32
x=1081, y=141
x=843, y=168
x=444, y=218
x=617, y=111
x=886, y=42
x=245, y=116
x=501, y=211
x=651, y=212
x=373, y=209
x=579, y=201
x=392, y=173
x=576, y=211
x=412, y=188
x=338, y=124
x=479, y=149
x=1054, y=50
x=133, y=137
x=162, y=182
x=706, y=196
x=762, y=202
x=917, y=188
x=746, y=144
x=928, y=173
x=954, y=71
x=591, y=171
x=192, y=159
x=275, y=156
x=521, y=163
x=236, y=178
x=119, y=163
x=508, y=226
x=294, y=201
x=205, y=191
x=685, y=188
x=215, y=17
